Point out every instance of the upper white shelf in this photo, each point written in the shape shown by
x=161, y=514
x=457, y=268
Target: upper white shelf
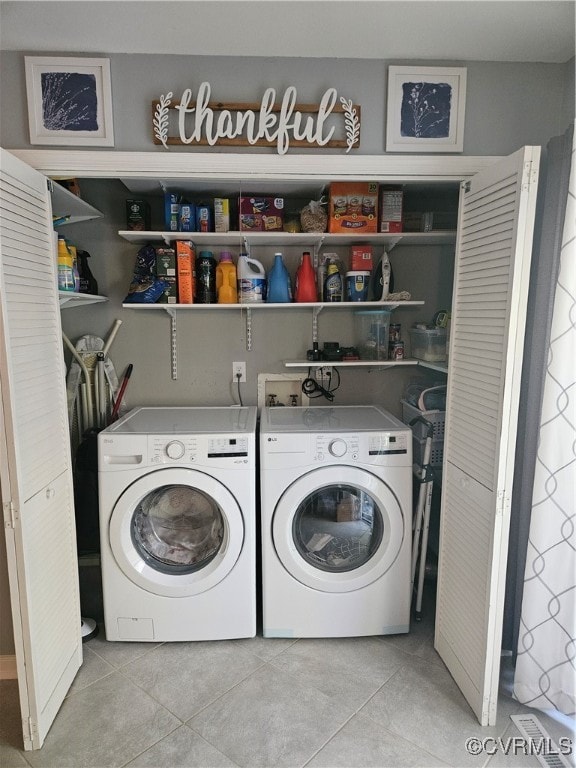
x=358, y=305
x=348, y=363
x=310, y=239
x=64, y=203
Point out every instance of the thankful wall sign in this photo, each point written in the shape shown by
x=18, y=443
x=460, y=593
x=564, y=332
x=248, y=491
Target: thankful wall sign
x=280, y=122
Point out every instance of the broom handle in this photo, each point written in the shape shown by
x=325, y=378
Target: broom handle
x=123, y=386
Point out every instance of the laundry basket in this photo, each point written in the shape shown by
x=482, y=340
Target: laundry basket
x=438, y=421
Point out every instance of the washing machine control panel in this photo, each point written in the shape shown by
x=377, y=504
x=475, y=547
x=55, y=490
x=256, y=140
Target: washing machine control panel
x=198, y=449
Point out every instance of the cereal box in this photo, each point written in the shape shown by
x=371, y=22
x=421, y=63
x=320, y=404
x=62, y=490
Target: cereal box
x=353, y=207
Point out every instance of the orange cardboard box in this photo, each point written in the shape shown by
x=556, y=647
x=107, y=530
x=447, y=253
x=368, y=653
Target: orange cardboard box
x=353, y=207
x=185, y=273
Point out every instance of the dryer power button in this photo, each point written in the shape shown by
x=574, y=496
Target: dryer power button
x=175, y=450
x=338, y=448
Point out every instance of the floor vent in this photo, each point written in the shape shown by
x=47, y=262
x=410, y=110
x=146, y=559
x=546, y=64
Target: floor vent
x=539, y=742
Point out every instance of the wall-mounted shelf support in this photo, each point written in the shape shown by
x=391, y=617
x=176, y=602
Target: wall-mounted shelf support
x=173, y=343
x=315, y=312
x=248, y=312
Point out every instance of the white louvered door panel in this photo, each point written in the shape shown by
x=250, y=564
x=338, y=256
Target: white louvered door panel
x=488, y=318
x=35, y=464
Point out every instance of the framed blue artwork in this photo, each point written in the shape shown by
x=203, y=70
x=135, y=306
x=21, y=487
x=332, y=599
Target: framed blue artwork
x=426, y=109
x=69, y=101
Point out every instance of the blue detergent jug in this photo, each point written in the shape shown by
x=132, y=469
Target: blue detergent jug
x=279, y=286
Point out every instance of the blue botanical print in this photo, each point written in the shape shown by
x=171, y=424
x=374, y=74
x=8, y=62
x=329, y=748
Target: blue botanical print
x=425, y=110
x=69, y=101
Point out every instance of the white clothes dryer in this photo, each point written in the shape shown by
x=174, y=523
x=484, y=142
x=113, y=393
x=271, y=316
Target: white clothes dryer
x=177, y=493
x=336, y=496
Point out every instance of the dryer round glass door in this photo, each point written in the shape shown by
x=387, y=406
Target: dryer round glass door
x=176, y=532
x=338, y=528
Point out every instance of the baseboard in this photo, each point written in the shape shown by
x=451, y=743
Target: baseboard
x=8, y=668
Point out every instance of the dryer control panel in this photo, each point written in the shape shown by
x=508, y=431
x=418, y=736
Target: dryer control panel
x=363, y=448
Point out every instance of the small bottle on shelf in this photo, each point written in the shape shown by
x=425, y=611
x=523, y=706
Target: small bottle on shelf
x=65, y=267
x=332, y=284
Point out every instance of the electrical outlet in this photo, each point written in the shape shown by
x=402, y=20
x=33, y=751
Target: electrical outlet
x=239, y=369
x=324, y=374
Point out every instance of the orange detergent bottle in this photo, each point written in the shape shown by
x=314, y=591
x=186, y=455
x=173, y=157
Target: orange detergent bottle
x=226, y=279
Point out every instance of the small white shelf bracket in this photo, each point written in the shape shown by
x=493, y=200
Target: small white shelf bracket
x=316, y=250
x=173, y=343
x=167, y=240
x=315, y=312
x=393, y=243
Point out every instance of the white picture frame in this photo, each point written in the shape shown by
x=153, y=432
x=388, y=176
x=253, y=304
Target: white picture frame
x=426, y=109
x=69, y=101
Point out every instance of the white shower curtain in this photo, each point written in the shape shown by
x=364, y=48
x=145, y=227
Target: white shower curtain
x=545, y=676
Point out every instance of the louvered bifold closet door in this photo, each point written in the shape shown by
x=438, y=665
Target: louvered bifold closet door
x=35, y=453
x=487, y=333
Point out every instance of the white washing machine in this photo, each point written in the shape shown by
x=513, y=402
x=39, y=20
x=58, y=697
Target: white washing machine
x=177, y=491
x=336, y=495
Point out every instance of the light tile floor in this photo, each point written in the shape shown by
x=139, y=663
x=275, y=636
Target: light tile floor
x=356, y=703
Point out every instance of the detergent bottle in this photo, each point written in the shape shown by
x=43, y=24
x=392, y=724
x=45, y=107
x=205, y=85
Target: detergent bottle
x=251, y=280
x=332, y=283
x=206, y=278
x=306, y=280
x=226, y=279
x=279, y=289
x=66, y=280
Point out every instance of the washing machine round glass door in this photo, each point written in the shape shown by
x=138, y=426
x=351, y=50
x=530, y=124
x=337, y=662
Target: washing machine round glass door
x=176, y=532
x=338, y=528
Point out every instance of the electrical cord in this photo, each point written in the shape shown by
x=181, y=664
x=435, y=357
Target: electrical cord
x=238, y=377
x=313, y=389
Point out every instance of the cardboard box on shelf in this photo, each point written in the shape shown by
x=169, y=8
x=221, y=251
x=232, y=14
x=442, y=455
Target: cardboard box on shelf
x=221, y=214
x=186, y=217
x=137, y=215
x=165, y=262
x=261, y=214
x=185, y=271
x=171, y=211
x=170, y=295
x=361, y=258
x=353, y=207
x=391, y=202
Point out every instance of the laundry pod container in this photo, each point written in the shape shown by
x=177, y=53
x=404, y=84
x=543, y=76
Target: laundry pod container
x=371, y=330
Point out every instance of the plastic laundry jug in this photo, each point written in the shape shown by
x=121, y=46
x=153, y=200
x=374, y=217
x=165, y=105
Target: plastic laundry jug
x=278, y=289
x=251, y=280
x=226, y=279
x=66, y=280
x=306, y=280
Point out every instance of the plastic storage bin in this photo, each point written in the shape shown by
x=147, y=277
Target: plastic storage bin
x=372, y=331
x=429, y=345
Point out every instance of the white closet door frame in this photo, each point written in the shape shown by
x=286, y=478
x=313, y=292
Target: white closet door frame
x=491, y=281
x=35, y=462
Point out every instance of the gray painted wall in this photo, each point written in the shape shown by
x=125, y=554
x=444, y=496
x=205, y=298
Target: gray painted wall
x=507, y=106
